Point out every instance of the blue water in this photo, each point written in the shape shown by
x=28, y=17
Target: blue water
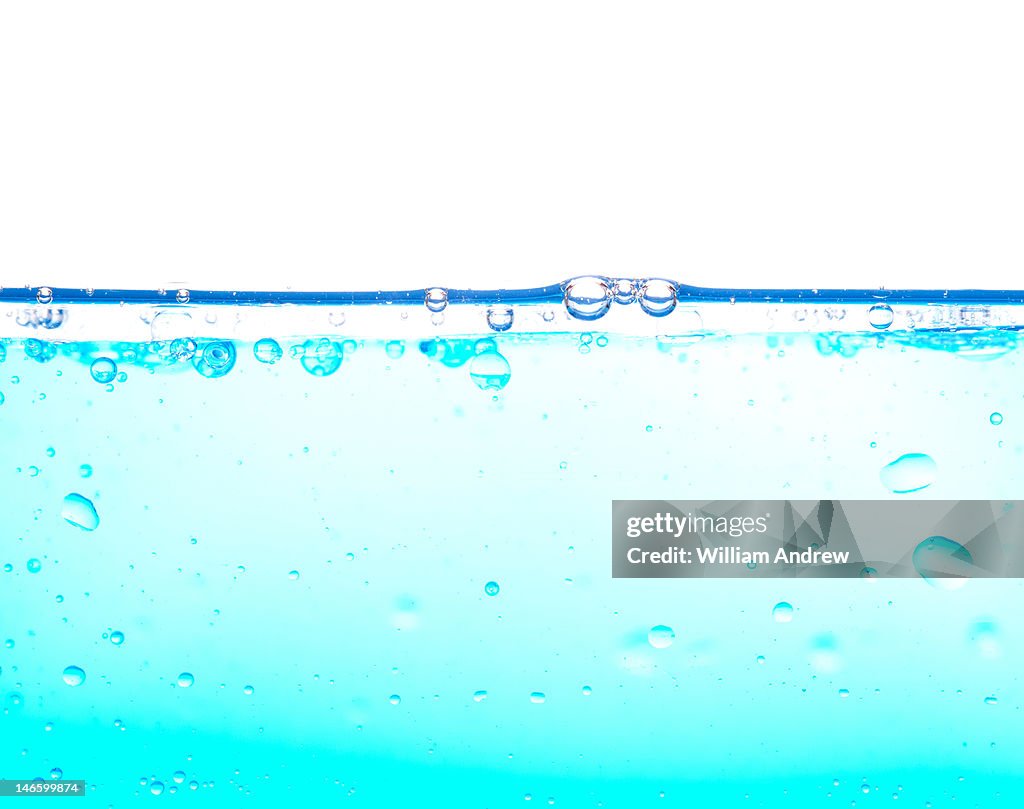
x=334, y=569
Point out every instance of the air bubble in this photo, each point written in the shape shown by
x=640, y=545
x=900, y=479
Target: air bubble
x=782, y=612
x=909, y=473
x=499, y=318
x=182, y=296
x=624, y=291
x=186, y=680
x=80, y=512
x=490, y=371
x=492, y=588
x=103, y=370
x=216, y=359
x=394, y=349
x=85, y=470
x=942, y=562
x=479, y=696
x=44, y=295
x=657, y=297
x=538, y=697
x=268, y=351
x=74, y=676
x=661, y=636
x=321, y=357
x=880, y=316
x=248, y=690
x=996, y=419
x=183, y=349
x=33, y=565
x=395, y=699
x=436, y=299
x=587, y=298
x=117, y=637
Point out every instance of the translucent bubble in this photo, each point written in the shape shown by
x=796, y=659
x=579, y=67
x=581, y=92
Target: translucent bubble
x=44, y=295
x=248, y=690
x=909, y=473
x=760, y=660
x=56, y=773
x=588, y=297
x=587, y=690
x=490, y=371
x=395, y=699
x=624, y=290
x=782, y=612
x=267, y=351
x=74, y=676
x=996, y=419
x=117, y=637
x=499, y=318
x=336, y=318
x=492, y=588
x=984, y=634
x=880, y=316
x=479, y=696
x=942, y=562
x=103, y=370
x=34, y=565
x=185, y=680
x=183, y=348
x=394, y=349
x=991, y=700
x=182, y=296
x=844, y=692
x=85, y=470
x=80, y=512
x=436, y=299
x=661, y=636
x=216, y=359
x=293, y=575
x=157, y=788
x=485, y=344
x=657, y=297
x=178, y=777
x=321, y=357
x=40, y=350
x=537, y=697
x=3, y=352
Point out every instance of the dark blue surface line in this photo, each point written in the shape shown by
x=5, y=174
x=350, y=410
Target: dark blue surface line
x=548, y=294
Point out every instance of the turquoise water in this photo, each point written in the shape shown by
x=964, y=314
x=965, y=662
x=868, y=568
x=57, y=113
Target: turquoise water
x=333, y=569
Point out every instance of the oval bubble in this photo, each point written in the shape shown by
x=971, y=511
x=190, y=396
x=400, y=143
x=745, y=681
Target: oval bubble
x=943, y=563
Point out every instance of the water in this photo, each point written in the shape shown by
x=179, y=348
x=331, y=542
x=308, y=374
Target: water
x=369, y=563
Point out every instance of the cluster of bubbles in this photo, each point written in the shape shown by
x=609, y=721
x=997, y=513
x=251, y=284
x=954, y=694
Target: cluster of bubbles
x=488, y=368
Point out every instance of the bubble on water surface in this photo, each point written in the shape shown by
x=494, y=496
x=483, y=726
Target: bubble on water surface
x=394, y=349
x=624, y=291
x=80, y=512
x=657, y=297
x=44, y=295
x=268, y=351
x=490, y=371
x=436, y=299
x=588, y=297
x=880, y=316
x=74, y=676
x=782, y=612
x=909, y=473
x=943, y=563
x=103, y=370
x=182, y=296
x=216, y=359
x=661, y=636
x=321, y=357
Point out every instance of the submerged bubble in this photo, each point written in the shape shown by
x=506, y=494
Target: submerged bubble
x=479, y=696
x=499, y=318
x=185, y=680
x=395, y=699
x=436, y=299
x=293, y=575
x=80, y=512
x=3, y=352
x=996, y=419
x=103, y=370
x=394, y=349
x=248, y=690
x=183, y=348
x=321, y=357
x=538, y=697
x=267, y=351
x=588, y=297
x=157, y=788
x=33, y=565
x=661, y=636
x=490, y=371
x=657, y=297
x=85, y=470
x=782, y=612
x=880, y=316
x=492, y=588
x=991, y=700
x=909, y=473
x=179, y=777
x=942, y=562
x=117, y=637
x=74, y=676
x=216, y=359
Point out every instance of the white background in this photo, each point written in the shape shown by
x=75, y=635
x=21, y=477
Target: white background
x=360, y=145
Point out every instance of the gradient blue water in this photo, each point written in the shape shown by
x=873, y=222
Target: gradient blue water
x=317, y=552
